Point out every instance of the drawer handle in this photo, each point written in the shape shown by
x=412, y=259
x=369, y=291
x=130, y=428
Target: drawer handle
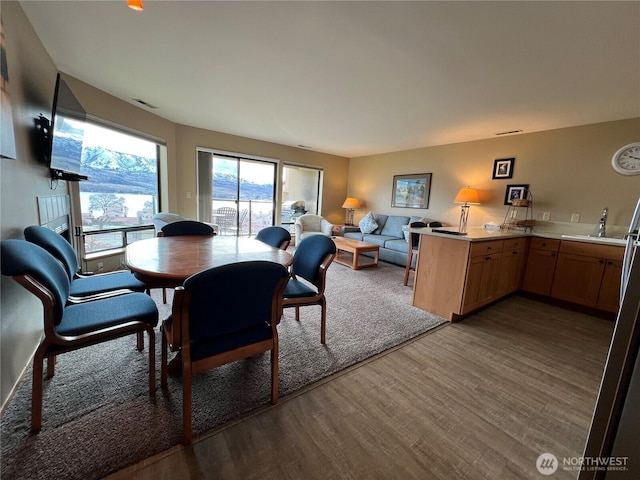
x=489, y=248
x=553, y=254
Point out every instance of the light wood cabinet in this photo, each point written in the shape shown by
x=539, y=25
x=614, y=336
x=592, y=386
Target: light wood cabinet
x=588, y=274
x=455, y=277
x=541, y=265
x=482, y=280
x=512, y=262
x=609, y=296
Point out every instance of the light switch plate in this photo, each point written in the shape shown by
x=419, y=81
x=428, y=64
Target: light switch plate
x=575, y=217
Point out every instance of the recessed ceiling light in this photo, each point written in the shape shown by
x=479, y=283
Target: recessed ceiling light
x=509, y=132
x=142, y=102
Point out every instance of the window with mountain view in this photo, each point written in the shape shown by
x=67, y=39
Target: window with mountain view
x=121, y=195
x=235, y=192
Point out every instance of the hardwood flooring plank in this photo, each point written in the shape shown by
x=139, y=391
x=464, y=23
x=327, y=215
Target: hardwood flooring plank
x=478, y=399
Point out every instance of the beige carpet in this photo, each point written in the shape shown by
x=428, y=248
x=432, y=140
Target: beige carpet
x=98, y=416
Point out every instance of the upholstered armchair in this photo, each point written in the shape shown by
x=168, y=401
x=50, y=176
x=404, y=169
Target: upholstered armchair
x=275, y=236
x=308, y=277
x=222, y=315
x=164, y=218
x=308, y=224
x=71, y=326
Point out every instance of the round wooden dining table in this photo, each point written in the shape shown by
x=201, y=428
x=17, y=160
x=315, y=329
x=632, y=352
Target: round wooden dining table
x=169, y=261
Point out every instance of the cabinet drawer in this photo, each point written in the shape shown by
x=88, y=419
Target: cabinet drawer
x=545, y=244
x=610, y=252
x=485, y=248
x=514, y=244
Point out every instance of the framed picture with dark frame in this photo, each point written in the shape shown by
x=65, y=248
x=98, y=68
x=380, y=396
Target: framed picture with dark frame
x=503, y=167
x=411, y=191
x=516, y=192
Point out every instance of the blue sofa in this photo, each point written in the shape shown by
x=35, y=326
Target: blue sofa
x=394, y=245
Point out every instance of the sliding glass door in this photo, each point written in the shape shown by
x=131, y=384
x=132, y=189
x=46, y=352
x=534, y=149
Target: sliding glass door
x=301, y=189
x=236, y=193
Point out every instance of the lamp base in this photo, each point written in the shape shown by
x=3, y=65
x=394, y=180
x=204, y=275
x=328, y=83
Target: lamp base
x=464, y=216
x=350, y=212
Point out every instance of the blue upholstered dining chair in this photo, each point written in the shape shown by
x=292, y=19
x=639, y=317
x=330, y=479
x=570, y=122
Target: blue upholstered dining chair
x=311, y=260
x=73, y=326
x=81, y=285
x=180, y=228
x=275, y=236
x=221, y=315
x=185, y=227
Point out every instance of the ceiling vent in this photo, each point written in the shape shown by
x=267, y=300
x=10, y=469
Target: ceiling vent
x=142, y=102
x=510, y=132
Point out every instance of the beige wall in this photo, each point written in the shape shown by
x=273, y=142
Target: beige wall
x=32, y=77
x=188, y=138
x=568, y=170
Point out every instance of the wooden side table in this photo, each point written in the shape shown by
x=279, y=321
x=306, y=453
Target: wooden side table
x=336, y=230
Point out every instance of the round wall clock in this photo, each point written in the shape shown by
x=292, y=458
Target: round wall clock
x=626, y=161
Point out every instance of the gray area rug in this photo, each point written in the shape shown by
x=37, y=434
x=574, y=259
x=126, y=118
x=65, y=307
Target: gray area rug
x=98, y=416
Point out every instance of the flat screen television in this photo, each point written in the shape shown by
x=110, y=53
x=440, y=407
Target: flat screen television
x=66, y=134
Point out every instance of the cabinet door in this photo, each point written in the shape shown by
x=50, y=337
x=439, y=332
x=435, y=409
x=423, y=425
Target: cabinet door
x=577, y=279
x=540, y=267
x=609, y=298
x=481, y=284
x=510, y=275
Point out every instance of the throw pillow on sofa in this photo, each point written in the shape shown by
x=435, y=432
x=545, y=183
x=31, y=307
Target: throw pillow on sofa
x=368, y=224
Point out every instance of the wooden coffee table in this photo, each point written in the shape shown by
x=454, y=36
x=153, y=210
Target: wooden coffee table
x=349, y=251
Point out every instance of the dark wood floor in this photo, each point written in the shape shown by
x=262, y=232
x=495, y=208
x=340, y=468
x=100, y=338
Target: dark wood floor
x=478, y=399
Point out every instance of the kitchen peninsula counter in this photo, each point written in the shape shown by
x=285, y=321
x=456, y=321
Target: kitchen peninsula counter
x=458, y=274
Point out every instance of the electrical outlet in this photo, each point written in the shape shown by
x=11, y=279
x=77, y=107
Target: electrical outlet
x=546, y=216
x=188, y=194
x=575, y=217
x=100, y=266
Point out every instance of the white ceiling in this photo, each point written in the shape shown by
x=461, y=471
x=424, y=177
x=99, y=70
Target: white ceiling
x=356, y=78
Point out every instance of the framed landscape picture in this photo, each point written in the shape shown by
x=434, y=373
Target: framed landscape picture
x=411, y=191
x=503, y=167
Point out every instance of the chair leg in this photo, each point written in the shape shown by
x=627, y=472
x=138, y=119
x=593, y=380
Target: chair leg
x=323, y=322
x=36, y=391
x=408, y=267
x=297, y=313
x=274, y=372
x=152, y=360
x=51, y=366
x=163, y=360
x=164, y=295
x=186, y=403
x=140, y=341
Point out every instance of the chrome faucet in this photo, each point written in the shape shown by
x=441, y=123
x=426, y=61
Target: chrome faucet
x=602, y=225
